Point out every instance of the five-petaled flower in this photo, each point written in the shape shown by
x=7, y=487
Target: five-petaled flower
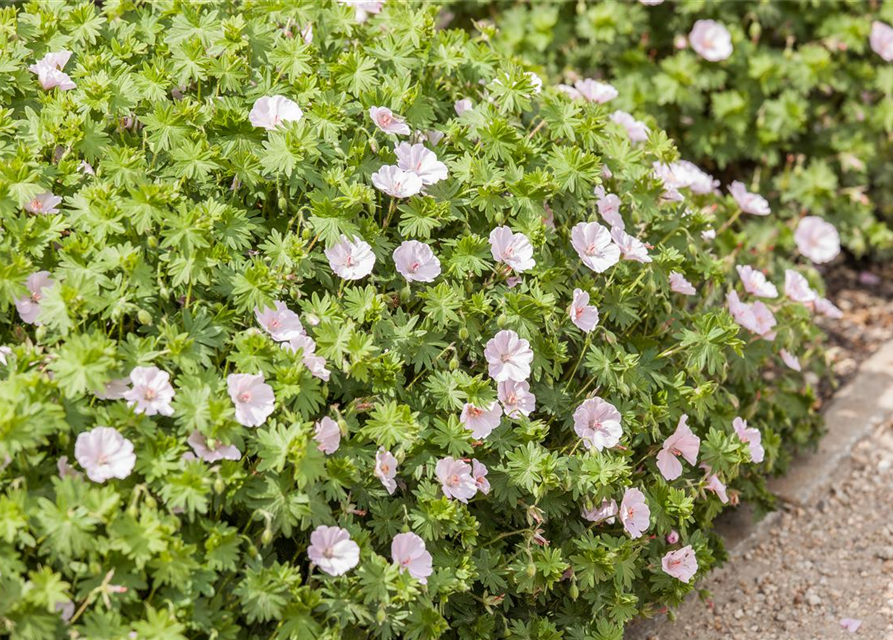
x=682, y=443
x=634, y=513
x=455, y=479
x=512, y=249
x=508, y=356
x=151, y=391
x=104, y=454
x=594, y=245
x=271, y=112
x=408, y=552
x=386, y=469
x=598, y=423
x=252, y=397
x=682, y=564
x=351, y=258
x=332, y=550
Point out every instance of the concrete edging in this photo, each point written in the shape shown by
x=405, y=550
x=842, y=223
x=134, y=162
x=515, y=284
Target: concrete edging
x=852, y=414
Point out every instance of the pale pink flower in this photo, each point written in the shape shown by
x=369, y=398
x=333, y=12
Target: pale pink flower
x=455, y=479
x=630, y=247
x=881, y=40
x=651, y=3
x=679, y=284
x=114, y=389
x=416, y=262
x=479, y=473
x=796, y=287
x=817, y=240
x=332, y=550
x=682, y=564
x=408, y=552
x=634, y=513
x=385, y=120
x=270, y=112
x=151, y=392
x=605, y=512
x=87, y=168
x=364, y=8
x=252, y=397
x=682, y=443
x=755, y=282
x=683, y=174
x=433, y=136
x=219, y=451
x=636, y=129
x=307, y=34
x=711, y=40
x=852, y=624
x=44, y=203
x=756, y=317
x=508, y=356
x=49, y=71
x=65, y=610
x=549, y=217
x=481, y=422
x=65, y=470
x=714, y=484
x=351, y=259
x=327, y=434
x=583, y=315
x=609, y=207
x=752, y=437
x=4, y=353
x=590, y=90
x=673, y=537
x=752, y=203
x=594, y=245
x=279, y=321
x=708, y=235
x=828, y=309
x=598, y=423
x=423, y=162
x=790, y=359
x=104, y=454
x=764, y=320
x=516, y=398
x=396, y=182
x=29, y=306
x=513, y=281
x=463, y=105
x=316, y=364
x=512, y=249
x=386, y=469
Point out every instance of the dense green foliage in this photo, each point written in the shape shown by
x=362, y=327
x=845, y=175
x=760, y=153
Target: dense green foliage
x=179, y=218
x=803, y=106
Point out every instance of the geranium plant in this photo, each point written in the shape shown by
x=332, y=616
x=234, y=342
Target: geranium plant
x=322, y=322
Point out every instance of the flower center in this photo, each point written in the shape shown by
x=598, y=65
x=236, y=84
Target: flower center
x=245, y=396
x=150, y=394
x=328, y=552
x=274, y=323
x=385, y=468
x=506, y=357
x=36, y=204
x=415, y=266
x=591, y=250
x=349, y=261
x=454, y=480
x=102, y=458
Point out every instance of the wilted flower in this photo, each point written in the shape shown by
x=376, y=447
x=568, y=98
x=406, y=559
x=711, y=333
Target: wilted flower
x=752, y=437
x=711, y=40
x=583, y=315
x=481, y=422
x=634, y=513
x=65, y=470
x=797, y=288
x=386, y=469
x=682, y=443
x=512, y=249
x=605, y=512
x=151, y=392
x=252, y=397
x=49, y=71
x=44, y=203
x=755, y=282
x=416, y=262
x=270, y=112
x=752, y=203
x=455, y=479
x=594, y=245
x=396, y=182
x=479, y=473
x=29, y=306
x=714, y=484
x=351, y=259
x=636, y=130
x=609, y=207
x=828, y=309
x=332, y=550
x=597, y=422
x=679, y=284
x=408, y=552
x=508, y=356
x=385, y=120
x=423, y=162
x=630, y=247
x=104, y=454
x=881, y=40
x=516, y=398
x=219, y=451
x=327, y=434
x=682, y=564
x=114, y=389
x=673, y=537
x=817, y=240
x=279, y=321
x=790, y=359
x=316, y=364
x=851, y=624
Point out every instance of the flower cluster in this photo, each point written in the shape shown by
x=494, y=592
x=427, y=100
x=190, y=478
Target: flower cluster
x=321, y=320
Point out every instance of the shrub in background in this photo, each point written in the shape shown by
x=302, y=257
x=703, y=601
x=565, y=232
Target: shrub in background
x=792, y=98
x=323, y=323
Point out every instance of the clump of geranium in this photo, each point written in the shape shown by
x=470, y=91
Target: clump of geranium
x=357, y=327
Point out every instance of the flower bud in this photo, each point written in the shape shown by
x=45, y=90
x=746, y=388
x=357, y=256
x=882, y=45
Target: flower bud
x=454, y=363
x=144, y=317
x=267, y=537
x=574, y=591
x=405, y=294
x=463, y=333
x=501, y=321
x=381, y=616
x=219, y=486
x=151, y=242
x=531, y=570
x=150, y=502
x=673, y=537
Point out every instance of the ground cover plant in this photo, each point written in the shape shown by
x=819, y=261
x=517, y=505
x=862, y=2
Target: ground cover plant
x=321, y=322
x=793, y=98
